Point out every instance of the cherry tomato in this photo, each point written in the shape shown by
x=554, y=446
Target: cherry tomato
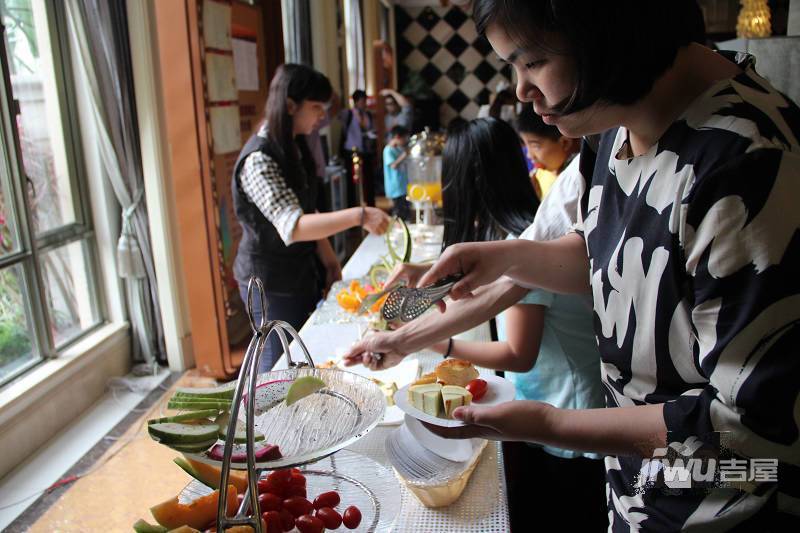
x=477, y=387
x=273, y=487
x=329, y=517
x=309, y=524
x=281, y=476
x=295, y=490
x=269, y=502
x=273, y=521
x=297, y=480
x=327, y=499
x=351, y=517
x=298, y=506
x=287, y=520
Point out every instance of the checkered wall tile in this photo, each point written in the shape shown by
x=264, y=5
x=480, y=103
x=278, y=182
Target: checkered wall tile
x=442, y=45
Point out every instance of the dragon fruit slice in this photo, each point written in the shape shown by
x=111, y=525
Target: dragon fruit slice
x=267, y=452
x=269, y=394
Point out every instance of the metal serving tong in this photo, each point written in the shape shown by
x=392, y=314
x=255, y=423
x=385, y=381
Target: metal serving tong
x=406, y=303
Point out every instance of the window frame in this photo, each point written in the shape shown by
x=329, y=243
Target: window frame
x=31, y=247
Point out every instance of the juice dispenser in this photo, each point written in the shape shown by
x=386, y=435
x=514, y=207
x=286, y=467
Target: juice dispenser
x=425, y=174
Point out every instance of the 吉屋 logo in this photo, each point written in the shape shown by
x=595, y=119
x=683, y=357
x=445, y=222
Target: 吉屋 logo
x=702, y=464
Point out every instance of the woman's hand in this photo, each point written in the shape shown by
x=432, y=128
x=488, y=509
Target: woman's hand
x=367, y=349
x=519, y=420
x=480, y=263
x=410, y=273
x=375, y=221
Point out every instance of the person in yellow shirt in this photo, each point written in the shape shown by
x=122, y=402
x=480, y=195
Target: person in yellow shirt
x=550, y=151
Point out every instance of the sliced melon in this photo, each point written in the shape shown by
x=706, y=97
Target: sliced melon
x=194, y=415
x=177, y=433
x=142, y=526
x=241, y=431
x=193, y=447
x=197, y=405
x=224, y=391
x=210, y=475
x=302, y=387
x=197, y=514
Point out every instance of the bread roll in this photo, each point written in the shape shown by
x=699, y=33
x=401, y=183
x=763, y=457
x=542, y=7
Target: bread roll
x=455, y=372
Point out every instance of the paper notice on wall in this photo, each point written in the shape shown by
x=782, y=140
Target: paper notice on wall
x=220, y=78
x=245, y=59
x=225, y=129
x=217, y=25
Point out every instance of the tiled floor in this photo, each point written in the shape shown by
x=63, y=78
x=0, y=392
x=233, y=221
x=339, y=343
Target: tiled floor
x=121, y=477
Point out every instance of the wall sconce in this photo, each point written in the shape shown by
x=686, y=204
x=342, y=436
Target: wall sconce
x=754, y=19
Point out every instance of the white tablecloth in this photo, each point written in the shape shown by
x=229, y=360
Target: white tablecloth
x=483, y=506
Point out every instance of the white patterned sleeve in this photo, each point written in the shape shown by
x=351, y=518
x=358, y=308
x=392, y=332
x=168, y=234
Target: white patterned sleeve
x=265, y=186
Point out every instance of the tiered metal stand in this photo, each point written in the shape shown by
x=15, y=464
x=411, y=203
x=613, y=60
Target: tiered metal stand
x=248, y=375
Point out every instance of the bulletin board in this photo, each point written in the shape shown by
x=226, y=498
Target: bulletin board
x=236, y=84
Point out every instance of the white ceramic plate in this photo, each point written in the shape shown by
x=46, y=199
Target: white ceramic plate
x=500, y=390
x=453, y=449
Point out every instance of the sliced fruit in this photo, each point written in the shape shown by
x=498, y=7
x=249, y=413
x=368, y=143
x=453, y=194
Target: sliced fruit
x=184, y=529
x=194, y=415
x=241, y=431
x=197, y=514
x=210, y=475
x=192, y=448
x=142, y=526
x=347, y=301
x=179, y=433
x=269, y=394
x=225, y=391
x=302, y=387
x=198, y=404
x=267, y=452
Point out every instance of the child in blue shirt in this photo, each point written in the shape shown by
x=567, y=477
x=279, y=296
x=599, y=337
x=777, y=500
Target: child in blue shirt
x=395, y=177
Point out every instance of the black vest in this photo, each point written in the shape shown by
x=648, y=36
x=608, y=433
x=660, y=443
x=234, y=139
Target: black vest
x=262, y=252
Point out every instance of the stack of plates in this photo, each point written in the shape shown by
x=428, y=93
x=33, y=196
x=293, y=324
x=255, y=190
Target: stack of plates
x=417, y=463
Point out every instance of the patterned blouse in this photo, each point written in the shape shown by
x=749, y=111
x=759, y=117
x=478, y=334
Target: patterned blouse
x=695, y=272
x=264, y=184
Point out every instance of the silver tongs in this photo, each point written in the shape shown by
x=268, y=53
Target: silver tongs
x=406, y=303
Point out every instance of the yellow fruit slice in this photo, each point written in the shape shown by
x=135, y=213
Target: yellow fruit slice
x=302, y=387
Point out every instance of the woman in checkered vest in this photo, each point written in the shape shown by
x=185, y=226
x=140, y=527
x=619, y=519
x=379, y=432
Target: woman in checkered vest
x=275, y=194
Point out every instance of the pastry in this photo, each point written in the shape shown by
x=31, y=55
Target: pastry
x=426, y=379
x=455, y=372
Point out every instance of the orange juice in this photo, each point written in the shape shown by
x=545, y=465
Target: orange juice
x=425, y=192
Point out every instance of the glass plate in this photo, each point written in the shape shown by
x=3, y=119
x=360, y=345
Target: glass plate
x=359, y=480
x=319, y=424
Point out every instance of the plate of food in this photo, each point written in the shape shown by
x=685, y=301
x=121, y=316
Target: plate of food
x=301, y=415
x=453, y=384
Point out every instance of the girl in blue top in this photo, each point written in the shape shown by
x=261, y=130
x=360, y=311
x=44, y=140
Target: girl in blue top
x=549, y=351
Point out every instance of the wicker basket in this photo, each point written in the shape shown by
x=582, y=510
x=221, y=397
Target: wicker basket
x=438, y=493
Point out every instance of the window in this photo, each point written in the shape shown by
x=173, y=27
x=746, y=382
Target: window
x=48, y=281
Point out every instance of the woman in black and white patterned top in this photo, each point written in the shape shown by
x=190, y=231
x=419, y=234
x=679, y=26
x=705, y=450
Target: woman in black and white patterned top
x=275, y=190
x=688, y=241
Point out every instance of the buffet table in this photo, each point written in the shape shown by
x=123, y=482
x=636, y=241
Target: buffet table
x=483, y=505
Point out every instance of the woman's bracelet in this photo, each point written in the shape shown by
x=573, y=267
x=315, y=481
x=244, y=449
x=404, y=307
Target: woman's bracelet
x=449, y=348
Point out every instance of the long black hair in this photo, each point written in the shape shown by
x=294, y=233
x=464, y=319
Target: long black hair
x=486, y=191
x=596, y=35
x=300, y=83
